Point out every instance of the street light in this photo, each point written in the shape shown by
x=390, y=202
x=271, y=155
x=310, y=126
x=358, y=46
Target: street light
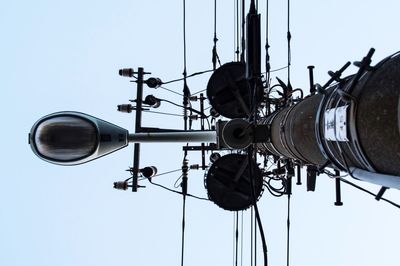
x=71, y=138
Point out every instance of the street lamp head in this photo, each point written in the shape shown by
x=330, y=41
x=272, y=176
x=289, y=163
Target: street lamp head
x=71, y=138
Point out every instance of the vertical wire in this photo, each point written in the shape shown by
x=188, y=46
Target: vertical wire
x=243, y=32
x=267, y=57
x=233, y=242
x=215, y=18
x=215, y=57
x=237, y=238
x=289, y=37
x=237, y=29
x=255, y=239
x=251, y=237
x=267, y=46
x=186, y=92
x=241, y=240
x=184, y=39
x=183, y=228
x=288, y=232
x=234, y=30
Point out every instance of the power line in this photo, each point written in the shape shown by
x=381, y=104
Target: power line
x=183, y=227
x=177, y=192
x=180, y=94
x=161, y=113
x=288, y=232
x=236, y=237
x=241, y=240
x=289, y=37
x=188, y=76
x=215, y=56
x=368, y=192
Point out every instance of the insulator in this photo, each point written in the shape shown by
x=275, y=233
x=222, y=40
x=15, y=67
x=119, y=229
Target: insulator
x=193, y=117
x=194, y=167
x=122, y=185
x=214, y=113
x=214, y=156
x=125, y=108
x=126, y=72
x=193, y=98
x=185, y=168
x=153, y=82
x=185, y=113
x=152, y=101
x=149, y=171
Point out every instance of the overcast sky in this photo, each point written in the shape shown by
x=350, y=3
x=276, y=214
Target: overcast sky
x=65, y=55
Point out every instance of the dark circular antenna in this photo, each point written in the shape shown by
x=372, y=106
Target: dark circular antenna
x=228, y=182
x=228, y=90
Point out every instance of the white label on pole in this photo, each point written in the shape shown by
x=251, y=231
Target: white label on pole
x=330, y=124
x=335, y=124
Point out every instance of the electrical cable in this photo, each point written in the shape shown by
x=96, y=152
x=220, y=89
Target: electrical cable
x=180, y=94
x=186, y=91
x=215, y=56
x=276, y=70
x=279, y=69
x=241, y=240
x=236, y=238
x=257, y=214
x=368, y=192
x=176, y=184
x=243, y=44
x=255, y=240
x=288, y=232
x=267, y=46
x=161, y=113
x=197, y=92
x=289, y=37
x=183, y=226
x=277, y=192
x=188, y=76
x=236, y=31
x=172, y=171
x=188, y=108
x=361, y=188
x=251, y=235
x=177, y=192
x=184, y=41
x=298, y=89
x=233, y=242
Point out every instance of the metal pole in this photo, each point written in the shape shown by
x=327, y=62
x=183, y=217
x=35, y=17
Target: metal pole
x=138, y=127
x=203, y=152
x=184, y=136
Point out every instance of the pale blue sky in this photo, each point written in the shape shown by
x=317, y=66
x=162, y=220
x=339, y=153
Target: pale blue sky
x=65, y=55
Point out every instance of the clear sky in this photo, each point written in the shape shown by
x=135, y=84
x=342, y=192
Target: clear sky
x=65, y=55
